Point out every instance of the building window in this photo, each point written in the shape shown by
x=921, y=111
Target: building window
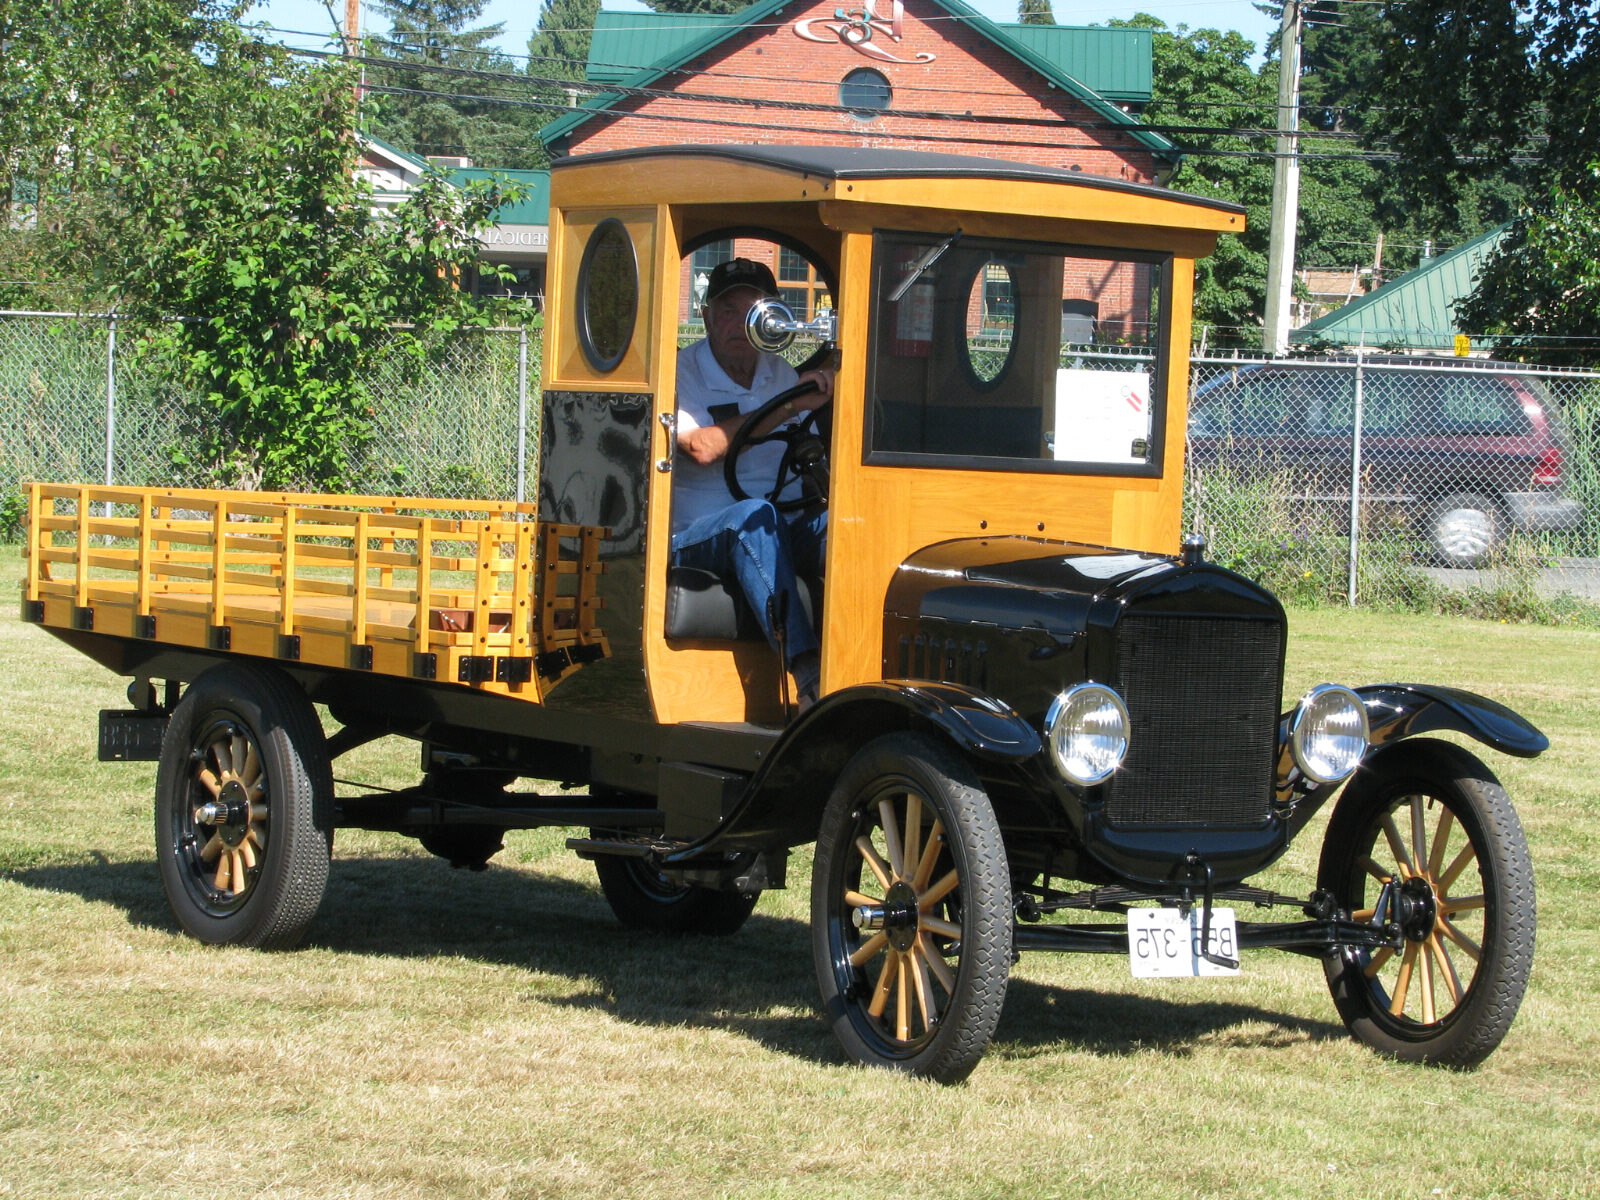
x=700, y=267
x=865, y=92
x=798, y=285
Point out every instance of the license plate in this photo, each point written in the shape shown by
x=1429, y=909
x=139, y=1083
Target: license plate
x=1162, y=942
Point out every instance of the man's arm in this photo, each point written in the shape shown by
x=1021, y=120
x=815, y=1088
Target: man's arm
x=708, y=443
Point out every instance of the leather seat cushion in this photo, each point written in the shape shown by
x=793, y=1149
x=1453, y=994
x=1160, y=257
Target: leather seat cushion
x=701, y=604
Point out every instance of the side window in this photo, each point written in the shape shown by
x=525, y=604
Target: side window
x=1479, y=404
x=1256, y=404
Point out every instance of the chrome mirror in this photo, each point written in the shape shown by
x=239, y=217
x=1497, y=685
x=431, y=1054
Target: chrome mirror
x=770, y=325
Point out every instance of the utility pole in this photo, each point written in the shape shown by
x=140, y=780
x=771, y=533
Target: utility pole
x=352, y=23
x=1285, y=185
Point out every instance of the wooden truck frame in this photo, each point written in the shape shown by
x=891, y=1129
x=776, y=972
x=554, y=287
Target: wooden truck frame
x=1045, y=723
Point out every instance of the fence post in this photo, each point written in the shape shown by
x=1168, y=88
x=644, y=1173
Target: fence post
x=111, y=395
x=1355, y=480
x=522, y=414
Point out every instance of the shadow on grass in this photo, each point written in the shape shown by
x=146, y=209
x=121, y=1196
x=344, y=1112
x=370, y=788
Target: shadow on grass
x=758, y=983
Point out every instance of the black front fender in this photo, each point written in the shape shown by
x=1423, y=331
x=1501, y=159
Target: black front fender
x=1401, y=710
x=783, y=803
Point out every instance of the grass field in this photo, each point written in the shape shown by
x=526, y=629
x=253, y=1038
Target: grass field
x=452, y=1034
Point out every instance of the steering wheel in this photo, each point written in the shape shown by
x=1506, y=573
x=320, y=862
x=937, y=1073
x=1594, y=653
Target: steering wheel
x=805, y=455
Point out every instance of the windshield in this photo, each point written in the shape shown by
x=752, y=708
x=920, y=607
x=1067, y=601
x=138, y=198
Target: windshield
x=1002, y=355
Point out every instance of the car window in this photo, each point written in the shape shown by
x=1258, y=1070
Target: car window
x=1251, y=404
x=1482, y=404
x=1391, y=402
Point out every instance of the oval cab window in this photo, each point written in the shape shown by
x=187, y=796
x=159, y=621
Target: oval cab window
x=990, y=321
x=608, y=295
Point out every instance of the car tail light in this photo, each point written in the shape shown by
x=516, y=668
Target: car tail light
x=1548, y=472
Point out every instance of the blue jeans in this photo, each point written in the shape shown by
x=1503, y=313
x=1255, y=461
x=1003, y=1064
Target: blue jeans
x=751, y=543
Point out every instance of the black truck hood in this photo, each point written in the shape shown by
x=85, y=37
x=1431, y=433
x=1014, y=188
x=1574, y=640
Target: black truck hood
x=1016, y=583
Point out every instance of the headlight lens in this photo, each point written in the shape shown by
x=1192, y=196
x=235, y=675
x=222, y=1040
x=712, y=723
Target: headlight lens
x=1088, y=730
x=1329, y=733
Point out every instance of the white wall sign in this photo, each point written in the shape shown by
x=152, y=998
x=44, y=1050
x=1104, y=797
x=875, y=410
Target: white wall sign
x=855, y=28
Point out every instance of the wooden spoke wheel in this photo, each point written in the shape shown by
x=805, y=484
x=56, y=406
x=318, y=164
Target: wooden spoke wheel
x=643, y=898
x=1425, y=839
x=911, y=910
x=244, y=809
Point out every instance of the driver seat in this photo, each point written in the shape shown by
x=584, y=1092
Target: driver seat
x=701, y=604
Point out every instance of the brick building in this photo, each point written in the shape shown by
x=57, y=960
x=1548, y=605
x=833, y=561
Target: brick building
x=903, y=74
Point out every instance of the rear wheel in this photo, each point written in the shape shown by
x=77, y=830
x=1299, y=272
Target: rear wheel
x=244, y=801
x=1427, y=839
x=911, y=910
x=643, y=898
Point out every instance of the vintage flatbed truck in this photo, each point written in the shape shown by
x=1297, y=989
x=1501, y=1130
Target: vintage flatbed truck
x=1046, y=722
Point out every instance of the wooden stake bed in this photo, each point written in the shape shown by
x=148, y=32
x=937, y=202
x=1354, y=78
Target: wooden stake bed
x=470, y=591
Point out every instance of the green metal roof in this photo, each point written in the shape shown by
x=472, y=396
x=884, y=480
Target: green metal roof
x=1416, y=311
x=626, y=42
x=533, y=209
x=1116, y=63
x=683, y=48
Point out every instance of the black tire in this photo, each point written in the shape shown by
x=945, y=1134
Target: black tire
x=922, y=991
x=642, y=898
x=244, y=809
x=1463, y=529
x=1431, y=803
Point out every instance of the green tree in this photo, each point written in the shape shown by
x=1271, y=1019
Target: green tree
x=206, y=182
x=251, y=223
x=698, y=6
x=1541, y=290
x=1035, y=12
x=559, y=48
x=1472, y=87
x=67, y=72
x=1203, y=83
x=457, y=110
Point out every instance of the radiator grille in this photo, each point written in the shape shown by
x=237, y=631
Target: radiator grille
x=1203, y=698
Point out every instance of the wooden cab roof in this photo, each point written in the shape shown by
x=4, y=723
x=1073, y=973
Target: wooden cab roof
x=844, y=177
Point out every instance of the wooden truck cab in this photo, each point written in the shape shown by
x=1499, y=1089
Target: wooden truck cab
x=621, y=225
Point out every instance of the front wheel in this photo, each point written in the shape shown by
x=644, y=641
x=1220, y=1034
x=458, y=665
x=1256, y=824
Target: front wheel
x=1426, y=838
x=911, y=910
x=244, y=803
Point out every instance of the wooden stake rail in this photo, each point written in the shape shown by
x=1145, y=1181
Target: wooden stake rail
x=468, y=591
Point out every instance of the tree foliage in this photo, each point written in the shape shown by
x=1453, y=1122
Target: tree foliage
x=1541, y=290
x=1203, y=80
x=1475, y=87
x=1035, y=12
x=429, y=112
x=208, y=183
x=559, y=48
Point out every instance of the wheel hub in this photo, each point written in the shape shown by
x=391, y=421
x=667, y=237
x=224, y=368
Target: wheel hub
x=228, y=814
x=900, y=915
x=1416, y=909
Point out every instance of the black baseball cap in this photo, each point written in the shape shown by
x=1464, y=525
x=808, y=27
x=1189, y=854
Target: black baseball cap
x=738, y=273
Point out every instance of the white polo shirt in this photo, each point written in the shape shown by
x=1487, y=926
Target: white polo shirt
x=703, y=390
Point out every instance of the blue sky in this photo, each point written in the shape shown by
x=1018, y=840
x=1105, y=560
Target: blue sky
x=521, y=16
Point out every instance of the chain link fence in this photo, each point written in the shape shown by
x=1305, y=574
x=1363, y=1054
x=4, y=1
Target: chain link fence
x=1315, y=476
x=1320, y=476
x=79, y=404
